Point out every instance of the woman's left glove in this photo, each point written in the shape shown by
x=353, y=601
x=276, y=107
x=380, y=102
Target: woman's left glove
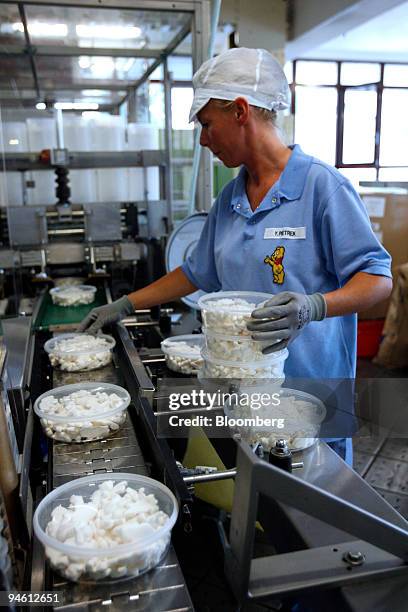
x=105, y=315
x=282, y=318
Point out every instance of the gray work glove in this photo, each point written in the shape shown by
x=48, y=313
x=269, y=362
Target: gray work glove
x=282, y=318
x=103, y=315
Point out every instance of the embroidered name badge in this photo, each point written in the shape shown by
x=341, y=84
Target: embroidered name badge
x=275, y=261
x=288, y=233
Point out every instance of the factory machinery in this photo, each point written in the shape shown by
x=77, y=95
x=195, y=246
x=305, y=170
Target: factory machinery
x=334, y=543
x=98, y=241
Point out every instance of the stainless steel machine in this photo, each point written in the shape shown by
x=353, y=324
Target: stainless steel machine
x=335, y=543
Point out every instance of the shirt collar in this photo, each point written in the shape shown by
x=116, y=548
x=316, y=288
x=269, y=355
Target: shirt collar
x=291, y=182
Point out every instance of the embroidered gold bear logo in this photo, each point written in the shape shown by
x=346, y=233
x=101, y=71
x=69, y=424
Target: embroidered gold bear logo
x=275, y=261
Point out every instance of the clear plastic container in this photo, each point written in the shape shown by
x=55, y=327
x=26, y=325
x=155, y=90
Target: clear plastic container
x=108, y=563
x=73, y=295
x=271, y=366
x=228, y=312
x=91, y=422
x=183, y=353
x=78, y=352
x=233, y=348
x=298, y=417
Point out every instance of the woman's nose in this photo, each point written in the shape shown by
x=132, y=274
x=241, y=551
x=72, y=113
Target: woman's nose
x=203, y=139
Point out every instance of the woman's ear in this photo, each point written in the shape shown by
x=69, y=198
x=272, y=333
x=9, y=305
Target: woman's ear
x=241, y=112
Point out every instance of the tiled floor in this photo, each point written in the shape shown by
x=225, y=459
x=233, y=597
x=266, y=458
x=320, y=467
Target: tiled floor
x=383, y=461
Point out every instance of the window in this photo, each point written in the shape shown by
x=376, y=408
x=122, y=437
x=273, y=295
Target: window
x=394, y=128
x=353, y=115
x=360, y=110
x=359, y=73
x=315, y=125
x=316, y=73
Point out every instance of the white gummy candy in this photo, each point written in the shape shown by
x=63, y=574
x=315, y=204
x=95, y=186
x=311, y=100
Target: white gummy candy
x=72, y=296
x=224, y=318
x=183, y=357
x=114, y=515
x=82, y=404
x=81, y=352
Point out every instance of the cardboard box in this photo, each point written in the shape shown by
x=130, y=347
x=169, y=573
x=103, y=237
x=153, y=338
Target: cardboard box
x=389, y=217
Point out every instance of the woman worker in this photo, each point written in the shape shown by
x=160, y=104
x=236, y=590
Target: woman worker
x=288, y=225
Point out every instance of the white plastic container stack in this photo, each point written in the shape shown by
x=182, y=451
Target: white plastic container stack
x=77, y=137
x=143, y=182
x=42, y=134
x=230, y=351
x=108, y=134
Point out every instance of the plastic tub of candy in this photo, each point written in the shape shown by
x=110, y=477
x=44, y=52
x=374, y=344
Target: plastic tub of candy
x=106, y=527
x=288, y=414
x=68, y=281
x=70, y=295
x=233, y=348
x=228, y=312
x=271, y=367
x=183, y=353
x=82, y=412
x=79, y=352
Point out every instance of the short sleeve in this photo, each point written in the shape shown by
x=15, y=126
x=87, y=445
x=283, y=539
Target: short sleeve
x=348, y=241
x=200, y=266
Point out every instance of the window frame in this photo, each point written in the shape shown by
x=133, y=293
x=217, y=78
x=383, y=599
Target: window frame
x=341, y=89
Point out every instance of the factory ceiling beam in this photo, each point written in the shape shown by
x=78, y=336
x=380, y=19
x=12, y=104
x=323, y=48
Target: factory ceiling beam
x=174, y=43
x=28, y=47
x=62, y=50
x=314, y=22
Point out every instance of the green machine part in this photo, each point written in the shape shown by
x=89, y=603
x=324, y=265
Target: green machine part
x=51, y=315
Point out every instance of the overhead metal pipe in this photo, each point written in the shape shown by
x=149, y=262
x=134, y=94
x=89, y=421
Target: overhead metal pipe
x=215, y=15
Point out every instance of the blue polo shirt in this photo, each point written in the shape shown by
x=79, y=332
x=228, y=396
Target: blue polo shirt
x=311, y=233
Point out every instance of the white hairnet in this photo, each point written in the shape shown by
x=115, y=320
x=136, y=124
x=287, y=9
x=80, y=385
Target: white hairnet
x=252, y=73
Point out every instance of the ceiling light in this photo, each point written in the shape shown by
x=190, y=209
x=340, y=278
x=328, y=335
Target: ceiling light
x=109, y=32
x=84, y=62
x=102, y=66
x=76, y=106
x=46, y=30
x=40, y=106
x=14, y=141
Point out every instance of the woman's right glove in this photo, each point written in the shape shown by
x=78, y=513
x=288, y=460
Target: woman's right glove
x=104, y=315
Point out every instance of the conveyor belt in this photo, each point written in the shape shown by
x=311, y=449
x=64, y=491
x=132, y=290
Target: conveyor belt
x=163, y=588
x=51, y=316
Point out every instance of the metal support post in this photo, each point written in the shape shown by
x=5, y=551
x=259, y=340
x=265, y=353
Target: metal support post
x=384, y=548
x=201, y=36
x=169, y=144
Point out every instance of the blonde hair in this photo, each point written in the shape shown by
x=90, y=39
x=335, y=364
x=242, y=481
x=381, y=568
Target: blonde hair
x=269, y=116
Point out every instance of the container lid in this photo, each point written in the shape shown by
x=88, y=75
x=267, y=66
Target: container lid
x=181, y=244
x=54, y=344
x=172, y=344
x=208, y=301
x=271, y=358
x=92, y=387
